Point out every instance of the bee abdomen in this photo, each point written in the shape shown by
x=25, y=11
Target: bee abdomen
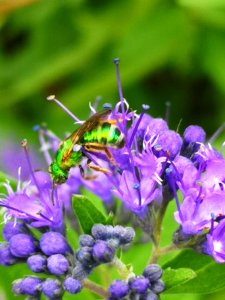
x=105, y=134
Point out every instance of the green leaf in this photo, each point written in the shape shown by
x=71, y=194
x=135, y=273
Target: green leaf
x=110, y=218
x=87, y=214
x=209, y=275
x=176, y=277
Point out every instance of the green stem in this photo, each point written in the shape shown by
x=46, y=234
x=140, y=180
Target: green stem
x=156, y=236
x=95, y=288
x=122, y=269
x=162, y=251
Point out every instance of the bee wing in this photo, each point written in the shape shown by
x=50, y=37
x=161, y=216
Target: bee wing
x=91, y=123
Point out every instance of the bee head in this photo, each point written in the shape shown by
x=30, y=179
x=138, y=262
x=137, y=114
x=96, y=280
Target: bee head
x=58, y=175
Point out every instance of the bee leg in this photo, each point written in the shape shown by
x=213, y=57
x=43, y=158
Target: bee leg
x=110, y=157
x=97, y=168
x=86, y=177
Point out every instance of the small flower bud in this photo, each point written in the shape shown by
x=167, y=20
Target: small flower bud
x=81, y=272
x=118, y=289
x=151, y=296
x=113, y=243
x=22, y=245
x=6, y=257
x=86, y=240
x=57, y=264
x=52, y=288
x=29, y=285
x=99, y=232
x=153, y=272
x=84, y=255
x=11, y=228
x=157, y=125
x=71, y=285
x=16, y=287
x=194, y=134
x=37, y=263
x=170, y=144
x=53, y=243
x=125, y=235
x=158, y=286
x=102, y=253
x=139, y=284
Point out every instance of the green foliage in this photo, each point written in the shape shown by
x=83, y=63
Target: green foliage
x=87, y=213
x=207, y=276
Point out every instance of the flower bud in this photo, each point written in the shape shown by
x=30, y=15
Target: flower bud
x=71, y=285
x=169, y=142
x=151, y=296
x=37, y=263
x=99, y=232
x=84, y=255
x=139, y=284
x=86, y=240
x=102, y=253
x=194, y=134
x=22, y=245
x=158, y=286
x=153, y=272
x=118, y=289
x=53, y=243
x=57, y=264
x=52, y=288
x=29, y=285
x=6, y=257
x=125, y=235
x=11, y=228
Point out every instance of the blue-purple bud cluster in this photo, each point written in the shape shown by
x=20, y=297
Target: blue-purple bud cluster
x=50, y=255
x=144, y=287
x=100, y=247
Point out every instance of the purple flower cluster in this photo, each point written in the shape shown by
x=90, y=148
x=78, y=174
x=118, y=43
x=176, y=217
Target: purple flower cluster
x=100, y=247
x=201, y=180
x=145, y=287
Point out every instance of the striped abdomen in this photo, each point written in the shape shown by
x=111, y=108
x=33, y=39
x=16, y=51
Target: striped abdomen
x=105, y=134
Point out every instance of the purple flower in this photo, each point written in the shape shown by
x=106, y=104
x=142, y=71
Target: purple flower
x=137, y=195
x=215, y=245
x=39, y=208
x=202, y=188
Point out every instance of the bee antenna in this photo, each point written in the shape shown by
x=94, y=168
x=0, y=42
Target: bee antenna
x=52, y=98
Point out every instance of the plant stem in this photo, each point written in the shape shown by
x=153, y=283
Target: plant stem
x=156, y=236
x=162, y=251
x=122, y=268
x=95, y=288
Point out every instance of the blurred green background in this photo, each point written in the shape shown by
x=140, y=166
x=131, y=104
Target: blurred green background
x=169, y=50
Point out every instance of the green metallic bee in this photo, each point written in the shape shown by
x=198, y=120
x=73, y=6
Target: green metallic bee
x=95, y=135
